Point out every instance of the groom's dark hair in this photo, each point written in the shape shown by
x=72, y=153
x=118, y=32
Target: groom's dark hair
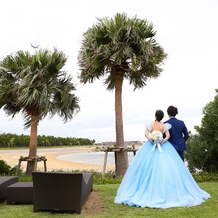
x=159, y=114
x=172, y=111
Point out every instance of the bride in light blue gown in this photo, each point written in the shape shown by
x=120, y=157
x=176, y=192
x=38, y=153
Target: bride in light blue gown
x=157, y=177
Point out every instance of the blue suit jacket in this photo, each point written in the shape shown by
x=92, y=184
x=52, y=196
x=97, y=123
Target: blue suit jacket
x=178, y=134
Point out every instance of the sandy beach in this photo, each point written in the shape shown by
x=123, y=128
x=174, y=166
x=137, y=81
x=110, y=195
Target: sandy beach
x=11, y=157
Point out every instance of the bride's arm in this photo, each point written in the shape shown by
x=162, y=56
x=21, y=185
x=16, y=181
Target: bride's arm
x=147, y=135
x=167, y=134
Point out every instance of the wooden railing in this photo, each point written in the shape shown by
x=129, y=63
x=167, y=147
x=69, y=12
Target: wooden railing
x=115, y=149
x=32, y=159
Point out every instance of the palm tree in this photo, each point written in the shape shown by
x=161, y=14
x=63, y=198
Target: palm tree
x=120, y=48
x=36, y=86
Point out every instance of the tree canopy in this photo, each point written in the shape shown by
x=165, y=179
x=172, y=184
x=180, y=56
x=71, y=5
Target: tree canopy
x=120, y=44
x=202, y=149
x=37, y=84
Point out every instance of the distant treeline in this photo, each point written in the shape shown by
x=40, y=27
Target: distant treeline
x=8, y=140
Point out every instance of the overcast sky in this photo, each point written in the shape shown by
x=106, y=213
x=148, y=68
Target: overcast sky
x=186, y=29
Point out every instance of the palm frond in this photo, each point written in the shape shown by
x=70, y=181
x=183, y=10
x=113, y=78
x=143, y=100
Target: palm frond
x=37, y=84
x=116, y=42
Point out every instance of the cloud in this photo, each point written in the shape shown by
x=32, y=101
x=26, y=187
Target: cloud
x=187, y=30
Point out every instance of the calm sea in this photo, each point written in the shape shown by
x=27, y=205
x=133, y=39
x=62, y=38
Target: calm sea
x=91, y=158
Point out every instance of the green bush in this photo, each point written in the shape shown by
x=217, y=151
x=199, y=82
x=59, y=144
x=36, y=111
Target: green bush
x=4, y=168
x=109, y=178
x=202, y=149
x=205, y=177
x=98, y=178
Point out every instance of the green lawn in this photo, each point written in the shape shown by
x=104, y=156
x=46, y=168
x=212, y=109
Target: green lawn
x=208, y=209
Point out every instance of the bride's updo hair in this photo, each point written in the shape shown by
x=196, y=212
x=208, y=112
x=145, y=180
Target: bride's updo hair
x=172, y=111
x=159, y=114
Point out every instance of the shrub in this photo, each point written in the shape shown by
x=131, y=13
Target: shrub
x=4, y=168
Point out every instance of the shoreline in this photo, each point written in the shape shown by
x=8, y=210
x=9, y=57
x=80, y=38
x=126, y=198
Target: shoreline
x=11, y=157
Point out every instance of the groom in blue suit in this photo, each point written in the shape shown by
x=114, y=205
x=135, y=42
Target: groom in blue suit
x=178, y=132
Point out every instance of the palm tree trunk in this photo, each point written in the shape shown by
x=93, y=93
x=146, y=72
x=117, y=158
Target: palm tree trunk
x=121, y=157
x=33, y=144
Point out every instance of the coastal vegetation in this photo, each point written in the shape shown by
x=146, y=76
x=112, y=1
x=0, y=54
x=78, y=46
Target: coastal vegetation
x=9, y=141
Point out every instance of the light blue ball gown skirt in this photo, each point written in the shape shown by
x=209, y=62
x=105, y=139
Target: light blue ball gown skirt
x=159, y=180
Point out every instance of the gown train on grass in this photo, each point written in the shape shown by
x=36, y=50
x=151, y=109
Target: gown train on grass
x=159, y=179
